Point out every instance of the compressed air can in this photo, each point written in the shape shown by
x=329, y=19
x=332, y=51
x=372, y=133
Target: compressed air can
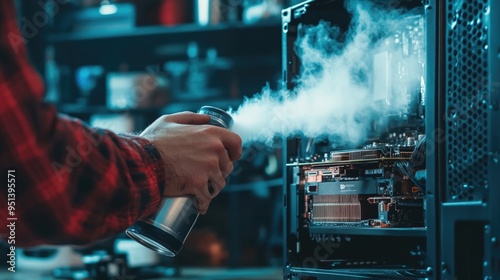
x=166, y=230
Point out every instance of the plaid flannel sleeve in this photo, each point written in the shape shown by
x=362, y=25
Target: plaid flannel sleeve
x=73, y=184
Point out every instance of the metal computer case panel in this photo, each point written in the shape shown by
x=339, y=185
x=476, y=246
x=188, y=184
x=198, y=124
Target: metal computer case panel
x=469, y=151
x=306, y=266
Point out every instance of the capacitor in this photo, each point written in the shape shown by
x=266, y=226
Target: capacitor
x=410, y=141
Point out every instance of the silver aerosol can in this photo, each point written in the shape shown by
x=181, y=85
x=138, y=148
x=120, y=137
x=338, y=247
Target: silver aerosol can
x=166, y=230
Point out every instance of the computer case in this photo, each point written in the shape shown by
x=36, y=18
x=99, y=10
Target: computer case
x=420, y=198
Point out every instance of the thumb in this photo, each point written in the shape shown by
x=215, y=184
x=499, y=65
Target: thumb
x=187, y=118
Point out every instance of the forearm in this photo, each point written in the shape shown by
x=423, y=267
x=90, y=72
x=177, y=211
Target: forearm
x=73, y=184
x=76, y=184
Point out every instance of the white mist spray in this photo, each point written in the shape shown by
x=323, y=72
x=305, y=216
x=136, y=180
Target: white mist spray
x=333, y=96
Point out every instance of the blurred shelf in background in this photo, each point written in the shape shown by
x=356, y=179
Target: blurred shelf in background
x=122, y=71
x=222, y=30
x=82, y=110
x=148, y=44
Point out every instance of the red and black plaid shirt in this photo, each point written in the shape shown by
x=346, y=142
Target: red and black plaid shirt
x=73, y=184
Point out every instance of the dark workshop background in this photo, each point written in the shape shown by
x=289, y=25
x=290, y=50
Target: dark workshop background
x=121, y=64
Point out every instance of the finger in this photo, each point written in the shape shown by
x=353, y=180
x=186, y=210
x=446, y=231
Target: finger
x=211, y=189
x=232, y=143
x=202, y=194
x=227, y=169
x=225, y=163
x=203, y=199
x=217, y=182
x=187, y=118
x=203, y=209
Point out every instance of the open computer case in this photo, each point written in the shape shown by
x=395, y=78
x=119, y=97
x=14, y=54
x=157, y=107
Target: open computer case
x=420, y=198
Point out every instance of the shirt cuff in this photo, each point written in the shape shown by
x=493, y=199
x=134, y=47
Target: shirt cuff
x=152, y=158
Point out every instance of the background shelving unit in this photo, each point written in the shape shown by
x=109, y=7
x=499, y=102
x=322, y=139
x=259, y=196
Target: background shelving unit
x=246, y=44
x=253, y=53
x=252, y=50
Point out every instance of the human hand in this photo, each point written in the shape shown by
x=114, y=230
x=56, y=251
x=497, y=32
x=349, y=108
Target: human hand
x=194, y=154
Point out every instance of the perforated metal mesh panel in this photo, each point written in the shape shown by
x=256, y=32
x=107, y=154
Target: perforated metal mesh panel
x=466, y=99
